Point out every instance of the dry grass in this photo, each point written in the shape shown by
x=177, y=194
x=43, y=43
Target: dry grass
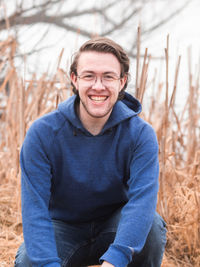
x=178, y=136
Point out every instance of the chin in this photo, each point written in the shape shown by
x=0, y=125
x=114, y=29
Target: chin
x=98, y=114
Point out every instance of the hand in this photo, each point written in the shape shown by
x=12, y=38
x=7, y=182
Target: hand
x=107, y=264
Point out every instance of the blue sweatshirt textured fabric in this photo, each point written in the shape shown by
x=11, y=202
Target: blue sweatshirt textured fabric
x=71, y=175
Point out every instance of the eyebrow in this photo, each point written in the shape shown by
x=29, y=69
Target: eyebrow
x=93, y=72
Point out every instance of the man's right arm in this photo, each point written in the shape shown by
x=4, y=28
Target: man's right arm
x=35, y=191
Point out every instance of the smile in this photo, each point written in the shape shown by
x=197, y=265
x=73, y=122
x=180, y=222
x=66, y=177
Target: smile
x=98, y=98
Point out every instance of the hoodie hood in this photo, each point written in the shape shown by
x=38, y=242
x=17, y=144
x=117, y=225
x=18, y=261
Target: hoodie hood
x=122, y=110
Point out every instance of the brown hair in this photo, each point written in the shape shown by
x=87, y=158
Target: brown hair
x=104, y=45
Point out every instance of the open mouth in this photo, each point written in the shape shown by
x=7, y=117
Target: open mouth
x=98, y=98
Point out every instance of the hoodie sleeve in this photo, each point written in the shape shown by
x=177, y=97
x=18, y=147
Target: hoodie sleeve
x=35, y=191
x=138, y=213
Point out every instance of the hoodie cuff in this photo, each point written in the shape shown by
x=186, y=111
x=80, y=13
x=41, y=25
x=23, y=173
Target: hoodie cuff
x=117, y=256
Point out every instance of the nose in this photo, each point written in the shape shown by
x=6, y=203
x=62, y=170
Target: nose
x=98, y=83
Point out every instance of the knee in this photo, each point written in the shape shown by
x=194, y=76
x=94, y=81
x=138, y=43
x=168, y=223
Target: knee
x=21, y=259
x=157, y=236
x=152, y=252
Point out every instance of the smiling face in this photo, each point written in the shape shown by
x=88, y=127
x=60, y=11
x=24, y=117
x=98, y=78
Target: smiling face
x=97, y=99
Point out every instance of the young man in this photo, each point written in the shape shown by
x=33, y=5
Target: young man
x=90, y=173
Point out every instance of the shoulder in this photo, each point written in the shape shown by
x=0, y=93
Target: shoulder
x=46, y=127
x=51, y=122
x=141, y=132
x=137, y=125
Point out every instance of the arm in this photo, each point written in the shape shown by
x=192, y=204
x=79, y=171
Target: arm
x=35, y=189
x=138, y=213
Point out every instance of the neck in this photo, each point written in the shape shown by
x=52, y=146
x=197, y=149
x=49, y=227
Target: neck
x=94, y=125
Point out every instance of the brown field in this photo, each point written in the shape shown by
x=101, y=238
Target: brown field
x=178, y=135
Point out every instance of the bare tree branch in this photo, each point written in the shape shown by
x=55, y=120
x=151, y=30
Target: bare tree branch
x=122, y=22
x=90, y=11
x=168, y=18
x=63, y=17
x=158, y=25
x=40, y=17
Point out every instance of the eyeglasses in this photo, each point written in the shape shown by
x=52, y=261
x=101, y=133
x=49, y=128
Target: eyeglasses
x=90, y=79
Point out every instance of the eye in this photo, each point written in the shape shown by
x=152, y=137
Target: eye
x=87, y=77
x=109, y=77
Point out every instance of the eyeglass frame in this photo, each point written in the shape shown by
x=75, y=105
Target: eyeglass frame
x=101, y=78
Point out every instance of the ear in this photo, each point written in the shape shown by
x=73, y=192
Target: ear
x=73, y=78
x=123, y=81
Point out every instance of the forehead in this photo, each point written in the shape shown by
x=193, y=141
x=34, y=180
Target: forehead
x=98, y=62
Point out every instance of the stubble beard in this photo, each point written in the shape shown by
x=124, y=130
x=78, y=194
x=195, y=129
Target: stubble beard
x=96, y=116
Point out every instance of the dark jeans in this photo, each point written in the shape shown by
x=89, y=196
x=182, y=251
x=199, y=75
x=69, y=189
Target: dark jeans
x=83, y=244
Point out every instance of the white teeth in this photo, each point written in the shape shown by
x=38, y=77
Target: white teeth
x=98, y=98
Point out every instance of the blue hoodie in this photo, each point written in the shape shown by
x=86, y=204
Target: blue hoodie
x=70, y=175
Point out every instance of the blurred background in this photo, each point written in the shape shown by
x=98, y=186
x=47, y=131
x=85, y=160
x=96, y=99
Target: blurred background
x=162, y=38
x=44, y=29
